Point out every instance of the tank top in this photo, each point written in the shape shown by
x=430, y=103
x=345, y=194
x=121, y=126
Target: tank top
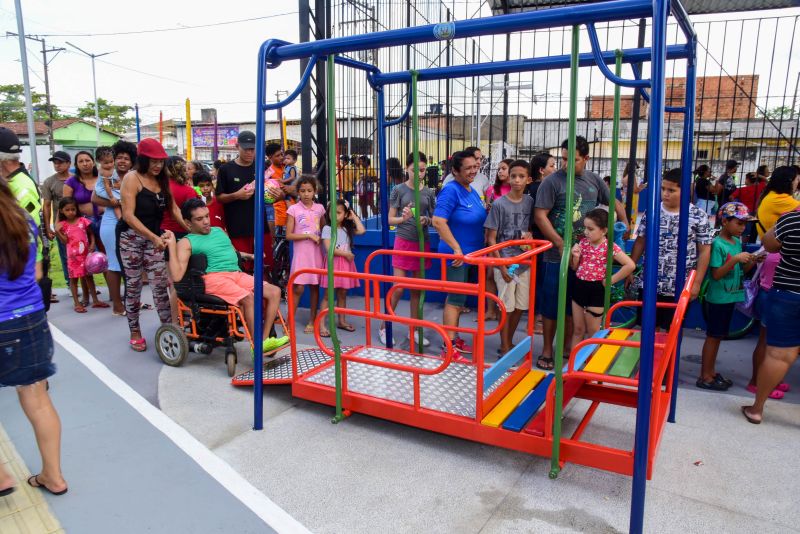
x=149, y=209
x=218, y=249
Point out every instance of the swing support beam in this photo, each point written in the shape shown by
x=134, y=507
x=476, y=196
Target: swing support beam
x=273, y=52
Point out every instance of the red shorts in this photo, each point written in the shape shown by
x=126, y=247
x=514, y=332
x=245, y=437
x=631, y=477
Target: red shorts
x=247, y=245
x=231, y=287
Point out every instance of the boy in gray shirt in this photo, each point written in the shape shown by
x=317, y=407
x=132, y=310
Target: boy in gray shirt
x=509, y=219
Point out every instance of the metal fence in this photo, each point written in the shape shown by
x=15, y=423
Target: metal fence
x=747, y=108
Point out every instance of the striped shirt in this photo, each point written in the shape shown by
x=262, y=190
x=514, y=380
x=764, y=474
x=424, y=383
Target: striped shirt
x=787, y=274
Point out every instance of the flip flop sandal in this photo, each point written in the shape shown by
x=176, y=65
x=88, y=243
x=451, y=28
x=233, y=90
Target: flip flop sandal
x=775, y=394
x=749, y=418
x=35, y=478
x=139, y=345
x=783, y=386
x=544, y=363
x=7, y=491
x=100, y=304
x=80, y=308
x=119, y=314
x=53, y=299
x=346, y=327
x=324, y=333
x=309, y=329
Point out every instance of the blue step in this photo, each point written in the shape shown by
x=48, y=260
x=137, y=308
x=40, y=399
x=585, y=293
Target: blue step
x=527, y=409
x=506, y=362
x=586, y=352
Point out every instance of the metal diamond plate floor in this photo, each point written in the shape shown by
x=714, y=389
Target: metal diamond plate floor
x=280, y=369
x=451, y=391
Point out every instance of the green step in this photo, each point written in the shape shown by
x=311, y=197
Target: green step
x=627, y=360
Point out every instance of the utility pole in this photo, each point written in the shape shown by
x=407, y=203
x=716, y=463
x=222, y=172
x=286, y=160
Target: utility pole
x=23, y=56
x=94, y=86
x=46, y=63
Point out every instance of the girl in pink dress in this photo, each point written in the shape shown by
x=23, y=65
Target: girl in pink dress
x=303, y=226
x=349, y=226
x=76, y=233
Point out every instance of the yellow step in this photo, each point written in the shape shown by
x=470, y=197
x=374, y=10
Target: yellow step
x=602, y=358
x=510, y=402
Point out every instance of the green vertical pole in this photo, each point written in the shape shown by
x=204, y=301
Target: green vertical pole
x=417, y=215
x=569, y=202
x=613, y=186
x=331, y=292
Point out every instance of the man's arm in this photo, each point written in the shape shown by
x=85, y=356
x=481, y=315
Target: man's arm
x=546, y=227
x=179, y=254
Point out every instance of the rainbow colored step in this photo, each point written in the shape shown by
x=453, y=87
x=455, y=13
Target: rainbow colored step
x=517, y=409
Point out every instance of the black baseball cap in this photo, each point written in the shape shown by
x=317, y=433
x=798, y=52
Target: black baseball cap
x=731, y=163
x=60, y=155
x=9, y=142
x=246, y=139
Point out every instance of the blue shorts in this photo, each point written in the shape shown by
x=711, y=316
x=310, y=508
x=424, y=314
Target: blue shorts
x=270, y=210
x=718, y=323
x=783, y=316
x=26, y=350
x=548, y=290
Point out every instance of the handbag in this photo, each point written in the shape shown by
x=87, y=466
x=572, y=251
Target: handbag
x=751, y=289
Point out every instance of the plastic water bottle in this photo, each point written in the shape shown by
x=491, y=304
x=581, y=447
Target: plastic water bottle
x=512, y=270
x=619, y=231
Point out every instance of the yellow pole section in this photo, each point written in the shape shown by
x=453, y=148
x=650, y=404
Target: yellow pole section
x=188, y=130
x=283, y=129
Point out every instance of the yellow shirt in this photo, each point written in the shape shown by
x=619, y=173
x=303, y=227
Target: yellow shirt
x=772, y=207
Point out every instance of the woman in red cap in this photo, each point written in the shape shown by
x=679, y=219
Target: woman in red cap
x=145, y=198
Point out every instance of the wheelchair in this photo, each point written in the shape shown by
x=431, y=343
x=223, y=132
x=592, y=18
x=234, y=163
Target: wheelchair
x=204, y=322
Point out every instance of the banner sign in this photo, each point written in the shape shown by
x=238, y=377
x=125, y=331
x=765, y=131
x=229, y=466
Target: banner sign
x=203, y=136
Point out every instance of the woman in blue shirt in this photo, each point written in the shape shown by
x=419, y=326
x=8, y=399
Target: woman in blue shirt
x=459, y=218
x=26, y=346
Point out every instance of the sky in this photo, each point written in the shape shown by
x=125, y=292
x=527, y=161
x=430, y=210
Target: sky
x=215, y=65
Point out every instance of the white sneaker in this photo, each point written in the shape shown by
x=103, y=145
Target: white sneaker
x=425, y=341
x=382, y=337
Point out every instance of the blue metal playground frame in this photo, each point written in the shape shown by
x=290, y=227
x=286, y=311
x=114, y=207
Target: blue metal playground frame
x=273, y=52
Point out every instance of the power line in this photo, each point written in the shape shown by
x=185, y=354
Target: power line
x=159, y=30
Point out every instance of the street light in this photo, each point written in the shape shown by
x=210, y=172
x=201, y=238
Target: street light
x=94, y=86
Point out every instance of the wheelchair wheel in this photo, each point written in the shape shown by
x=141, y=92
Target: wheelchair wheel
x=230, y=362
x=171, y=345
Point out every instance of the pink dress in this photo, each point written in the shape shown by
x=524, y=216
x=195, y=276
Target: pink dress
x=77, y=245
x=340, y=264
x=306, y=254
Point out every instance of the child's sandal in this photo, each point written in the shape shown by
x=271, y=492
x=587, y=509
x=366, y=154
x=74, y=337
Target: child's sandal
x=80, y=308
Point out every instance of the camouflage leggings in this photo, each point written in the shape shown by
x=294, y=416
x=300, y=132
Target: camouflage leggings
x=137, y=255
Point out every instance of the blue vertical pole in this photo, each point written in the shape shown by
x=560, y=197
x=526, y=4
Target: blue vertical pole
x=384, y=189
x=655, y=144
x=138, y=131
x=258, y=216
x=686, y=193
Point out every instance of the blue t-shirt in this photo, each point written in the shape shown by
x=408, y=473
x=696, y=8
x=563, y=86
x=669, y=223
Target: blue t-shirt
x=465, y=216
x=22, y=296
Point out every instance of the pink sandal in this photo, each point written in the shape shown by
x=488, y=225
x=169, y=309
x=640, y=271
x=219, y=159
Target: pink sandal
x=776, y=394
x=139, y=345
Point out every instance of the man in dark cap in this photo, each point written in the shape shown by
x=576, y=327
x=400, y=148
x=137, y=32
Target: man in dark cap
x=728, y=181
x=52, y=193
x=235, y=190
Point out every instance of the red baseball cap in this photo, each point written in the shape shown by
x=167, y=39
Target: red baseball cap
x=152, y=149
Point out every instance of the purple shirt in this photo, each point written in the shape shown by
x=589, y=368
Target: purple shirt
x=21, y=296
x=81, y=194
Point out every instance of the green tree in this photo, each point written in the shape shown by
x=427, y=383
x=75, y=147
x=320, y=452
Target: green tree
x=12, y=105
x=115, y=118
x=778, y=113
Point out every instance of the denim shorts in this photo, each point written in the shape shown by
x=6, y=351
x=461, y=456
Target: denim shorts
x=783, y=316
x=270, y=211
x=549, y=290
x=26, y=350
x=718, y=323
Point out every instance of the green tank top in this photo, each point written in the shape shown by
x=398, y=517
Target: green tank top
x=218, y=249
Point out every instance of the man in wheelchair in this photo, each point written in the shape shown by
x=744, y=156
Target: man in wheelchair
x=223, y=279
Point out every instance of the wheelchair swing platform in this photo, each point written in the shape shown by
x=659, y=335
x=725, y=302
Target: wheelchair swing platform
x=278, y=370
